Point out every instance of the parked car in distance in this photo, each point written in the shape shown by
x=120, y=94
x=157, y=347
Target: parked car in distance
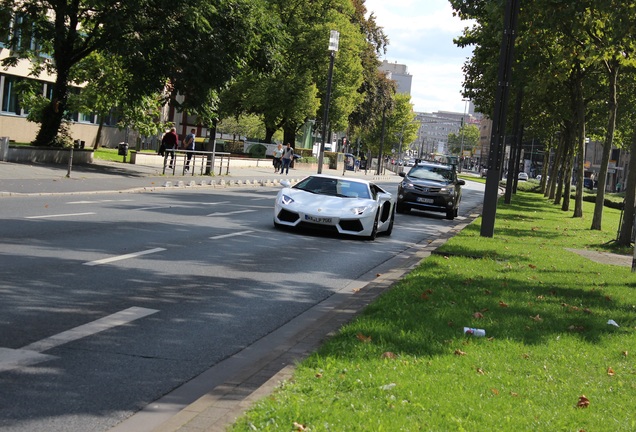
x=523, y=176
x=430, y=186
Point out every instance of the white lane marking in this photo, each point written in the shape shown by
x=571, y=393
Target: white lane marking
x=98, y=201
x=13, y=358
x=179, y=206
x=117, y=319
x=59, y=215
x=32, y=353
x=231, y=213
x=230, y=235
x=123, y=257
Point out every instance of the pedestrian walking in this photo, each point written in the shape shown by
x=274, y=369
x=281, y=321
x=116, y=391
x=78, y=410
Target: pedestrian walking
x=169, y=142
x=618, y=186
x=188, y=144
x=288, y=154
x=278, y=154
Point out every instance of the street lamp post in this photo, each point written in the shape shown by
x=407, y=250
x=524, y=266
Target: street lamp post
x=461, y=146
x=334, y=38
x=379, y=170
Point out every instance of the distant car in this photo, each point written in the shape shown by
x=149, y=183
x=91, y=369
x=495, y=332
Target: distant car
x=538, y=177
x=430, y=186
x=342, y=205
x=523, y=176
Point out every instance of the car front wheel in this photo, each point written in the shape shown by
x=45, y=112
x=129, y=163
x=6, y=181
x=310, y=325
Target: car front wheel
x=374, y=231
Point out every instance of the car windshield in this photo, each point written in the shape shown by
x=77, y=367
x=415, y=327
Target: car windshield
x=334, y=187
x=431, y=173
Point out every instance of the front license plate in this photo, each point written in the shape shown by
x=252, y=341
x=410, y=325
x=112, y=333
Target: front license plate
x=319, y=220
x=425, y=200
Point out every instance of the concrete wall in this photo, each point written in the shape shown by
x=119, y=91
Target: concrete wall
x=24, y=154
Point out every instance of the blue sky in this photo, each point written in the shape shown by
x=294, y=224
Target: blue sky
x=421, y=36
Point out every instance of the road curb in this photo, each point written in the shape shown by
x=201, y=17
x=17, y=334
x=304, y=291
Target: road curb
x=223, y=404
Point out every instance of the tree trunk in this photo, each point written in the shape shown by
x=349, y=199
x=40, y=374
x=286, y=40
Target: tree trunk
x=554, y=176
x=567, y=172
x=580, y=147
x=54, y=111
x=289, y=135
x=607, y=147
x=98, y=136
x=625, y=235
x=545, y=170
x=269, y=133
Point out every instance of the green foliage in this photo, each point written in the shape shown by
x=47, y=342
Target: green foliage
x=404, y=364
x=467, y=138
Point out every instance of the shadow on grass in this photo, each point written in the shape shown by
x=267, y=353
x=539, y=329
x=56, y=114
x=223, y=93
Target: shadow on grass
x=424, y=314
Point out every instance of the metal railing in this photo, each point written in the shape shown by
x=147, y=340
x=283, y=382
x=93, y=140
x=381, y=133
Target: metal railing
x=187, y=161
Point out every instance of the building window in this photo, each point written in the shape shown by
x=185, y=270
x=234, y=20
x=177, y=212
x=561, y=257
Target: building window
x=10, y=102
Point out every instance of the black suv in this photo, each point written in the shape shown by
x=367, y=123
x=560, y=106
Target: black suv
x=430, y=186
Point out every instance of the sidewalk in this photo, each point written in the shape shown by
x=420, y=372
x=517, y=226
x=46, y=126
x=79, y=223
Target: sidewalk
x=105, y=176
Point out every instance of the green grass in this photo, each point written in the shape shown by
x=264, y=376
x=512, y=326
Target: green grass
x=545, y=311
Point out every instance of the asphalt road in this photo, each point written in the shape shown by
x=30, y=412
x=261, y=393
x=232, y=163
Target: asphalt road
x=111, y=301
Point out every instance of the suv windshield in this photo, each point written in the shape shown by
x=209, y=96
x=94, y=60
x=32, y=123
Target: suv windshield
x=435, y=173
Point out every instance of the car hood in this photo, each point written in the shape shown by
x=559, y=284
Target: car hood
x=428, y=183
x=324, y=203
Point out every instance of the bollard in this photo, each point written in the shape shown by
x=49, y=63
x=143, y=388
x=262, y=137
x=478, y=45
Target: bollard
x=70, y=163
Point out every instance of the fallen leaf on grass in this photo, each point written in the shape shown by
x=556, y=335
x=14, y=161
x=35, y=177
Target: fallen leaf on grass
x=576, y=328
x=495, y=391
x=532, y=266
x=299, y=427
x=363, y=338
x=480, y=371
x=625, y=353
x=608, y=298
x=424, y=296
x=389, y=355
x=487, y=292
x=502, y=304
x=514, y=394
x=451, y=324
x=610, y=371
x=583, y=402
x=536, y=318
x=588, y=311
x=459, y=352
x=478, y=315
x=318, y=375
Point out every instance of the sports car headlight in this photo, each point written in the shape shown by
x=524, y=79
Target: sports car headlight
x=359, y=210
x=449, y=190
x=286, y=199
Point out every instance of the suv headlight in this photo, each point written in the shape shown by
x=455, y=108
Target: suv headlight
x=407, y=185
x=448, y=190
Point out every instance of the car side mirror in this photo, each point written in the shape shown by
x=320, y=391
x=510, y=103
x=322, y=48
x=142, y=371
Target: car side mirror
x=402, y=174
x=285, y=183
x=461, y=182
